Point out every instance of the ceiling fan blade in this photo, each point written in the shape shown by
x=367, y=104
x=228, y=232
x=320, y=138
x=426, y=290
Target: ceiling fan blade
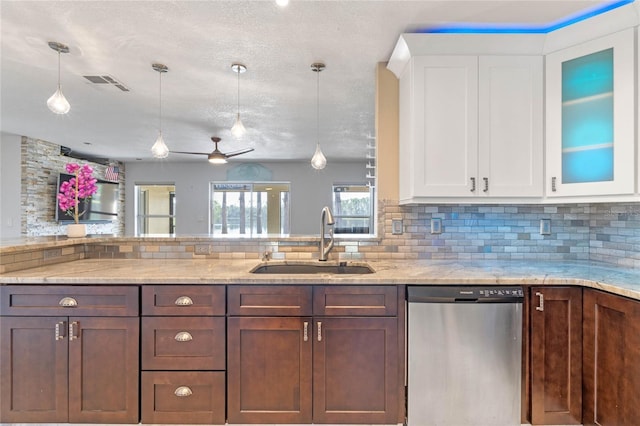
x=194, y=153
x=233, y=154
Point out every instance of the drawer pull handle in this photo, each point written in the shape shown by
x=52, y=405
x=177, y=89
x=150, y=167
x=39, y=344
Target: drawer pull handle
x=183, y=391
x=68, y=302
x=540, y=306
x=183, y=336
x=183, y=301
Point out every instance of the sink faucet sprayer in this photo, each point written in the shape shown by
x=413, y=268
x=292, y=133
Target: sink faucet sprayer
x=324, y=247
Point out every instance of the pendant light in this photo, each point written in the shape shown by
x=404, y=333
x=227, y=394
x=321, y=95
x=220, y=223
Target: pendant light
x=238, y=129
x=57, y=103
x=159, y=148
x=318, y=161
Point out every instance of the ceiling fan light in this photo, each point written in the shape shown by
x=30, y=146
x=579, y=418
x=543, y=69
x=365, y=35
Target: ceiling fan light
x=159, y=148
x=57, y=103
x=217, y=159
x=318, y=161
x=238, y=129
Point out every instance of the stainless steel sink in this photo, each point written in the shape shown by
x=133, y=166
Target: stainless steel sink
x=315, y=267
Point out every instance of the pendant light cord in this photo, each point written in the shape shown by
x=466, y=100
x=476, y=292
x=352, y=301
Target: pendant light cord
x=58, y=69
x=160, y=104
x=318, y=107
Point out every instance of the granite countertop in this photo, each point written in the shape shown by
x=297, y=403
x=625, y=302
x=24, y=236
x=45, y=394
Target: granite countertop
x=617, y=280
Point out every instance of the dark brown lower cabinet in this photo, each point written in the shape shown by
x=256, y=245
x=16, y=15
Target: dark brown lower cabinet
x=69, y=369
x=611, y=359
x=340, y=365
x=269, y=370
x=556, y=355
x=355, y=362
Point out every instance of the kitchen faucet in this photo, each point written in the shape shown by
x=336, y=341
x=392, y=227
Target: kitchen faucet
x=324, y=247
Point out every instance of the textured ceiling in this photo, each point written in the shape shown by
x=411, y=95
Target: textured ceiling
x=198, y=41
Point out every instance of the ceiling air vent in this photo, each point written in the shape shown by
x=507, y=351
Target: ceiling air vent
x=106, y=79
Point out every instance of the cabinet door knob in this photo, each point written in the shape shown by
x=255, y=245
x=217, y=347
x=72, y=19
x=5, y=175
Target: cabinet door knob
x=183, y=336
x=183, y=391
x=68, y=302
x=183, y=301
x=473, y=184
x=540, y=306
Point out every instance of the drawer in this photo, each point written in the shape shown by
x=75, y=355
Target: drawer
x=355, y=300
x=183, y=397
x=45, y=300
x=272, y=300
x=183, y=343
x=183, y=300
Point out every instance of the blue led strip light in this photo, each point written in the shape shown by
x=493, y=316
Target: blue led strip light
x=523, y=28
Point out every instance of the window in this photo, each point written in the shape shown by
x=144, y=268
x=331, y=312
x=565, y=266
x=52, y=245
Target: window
x=155, y=209
x=353, y=208
x=250, y=208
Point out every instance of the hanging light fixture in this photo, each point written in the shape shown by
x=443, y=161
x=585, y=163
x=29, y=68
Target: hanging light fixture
x=318, y=161
x=57, y=103
x=238, y=129
x=159, y=148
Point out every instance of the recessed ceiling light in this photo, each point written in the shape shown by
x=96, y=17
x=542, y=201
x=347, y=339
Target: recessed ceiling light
x=282, y=3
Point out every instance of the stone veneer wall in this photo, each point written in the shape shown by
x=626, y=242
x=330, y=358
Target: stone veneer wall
x=41, y=164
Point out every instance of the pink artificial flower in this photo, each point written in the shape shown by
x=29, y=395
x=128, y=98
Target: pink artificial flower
x=80, y=187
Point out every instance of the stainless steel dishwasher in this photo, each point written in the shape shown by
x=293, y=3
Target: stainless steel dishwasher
x=464, y=355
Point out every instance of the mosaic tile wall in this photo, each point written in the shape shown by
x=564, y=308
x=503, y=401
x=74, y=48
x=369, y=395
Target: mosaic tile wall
x=615, y=234
x=505, y=232
x=41, y=164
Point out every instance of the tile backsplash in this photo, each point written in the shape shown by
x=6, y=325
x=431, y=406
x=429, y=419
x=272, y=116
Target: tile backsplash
x=608, y=232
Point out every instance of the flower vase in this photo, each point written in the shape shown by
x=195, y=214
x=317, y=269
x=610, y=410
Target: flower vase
x=76, y=230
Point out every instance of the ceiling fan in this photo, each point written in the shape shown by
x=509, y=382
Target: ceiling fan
x=216, y=156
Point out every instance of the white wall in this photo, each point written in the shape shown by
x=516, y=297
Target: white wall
x=10, y=178
x=310, y=190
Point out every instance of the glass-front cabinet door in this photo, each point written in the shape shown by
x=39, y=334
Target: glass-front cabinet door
x=590, y=118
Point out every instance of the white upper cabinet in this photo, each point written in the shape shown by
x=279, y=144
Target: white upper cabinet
x=590, y=118
x=510, y=126
x=471, y=128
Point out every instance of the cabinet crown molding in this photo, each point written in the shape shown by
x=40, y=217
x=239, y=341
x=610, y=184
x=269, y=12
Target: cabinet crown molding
x=410, y=45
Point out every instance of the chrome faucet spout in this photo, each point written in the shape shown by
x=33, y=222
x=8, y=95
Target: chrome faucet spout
x=325, y=247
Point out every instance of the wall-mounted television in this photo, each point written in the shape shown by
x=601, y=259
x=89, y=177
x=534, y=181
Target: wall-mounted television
x=101, y=207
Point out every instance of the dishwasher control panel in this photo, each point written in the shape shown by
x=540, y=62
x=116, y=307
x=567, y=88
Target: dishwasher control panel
x=465, y=294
